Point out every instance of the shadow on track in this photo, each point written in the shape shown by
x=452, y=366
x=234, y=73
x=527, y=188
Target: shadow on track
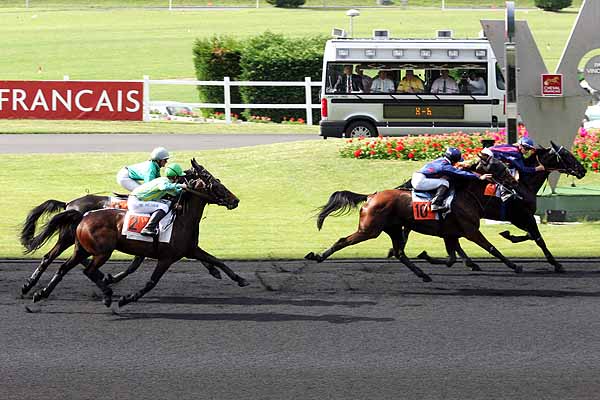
x=249, y=301
x=501, y=293
x=254, y=317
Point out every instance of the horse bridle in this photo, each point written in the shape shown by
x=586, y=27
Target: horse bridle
x=559, y=160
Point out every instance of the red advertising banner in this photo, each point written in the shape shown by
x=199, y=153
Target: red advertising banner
x=552, y=85
x=112, y=101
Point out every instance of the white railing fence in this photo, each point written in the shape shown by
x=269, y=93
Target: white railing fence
x=227, y=83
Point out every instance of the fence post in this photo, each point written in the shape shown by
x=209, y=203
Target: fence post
x=146, y=98
x=227, y=95
x=308, y=94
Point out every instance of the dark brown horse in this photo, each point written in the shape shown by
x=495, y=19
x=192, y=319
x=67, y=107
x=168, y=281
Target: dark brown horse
x=391, y=211
x=520, y=211
x=98, y=234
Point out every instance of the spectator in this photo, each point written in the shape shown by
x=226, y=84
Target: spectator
x=367, y=81
x=411, y=83
x=476, y=84
x=348, y=82
x=445, y=84
x=382, y=84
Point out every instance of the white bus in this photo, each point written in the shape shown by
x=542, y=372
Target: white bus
x=468, y=97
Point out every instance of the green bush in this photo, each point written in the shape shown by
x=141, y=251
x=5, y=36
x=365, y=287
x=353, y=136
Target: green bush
x=553, y=5
x=274, y=57
x=214, y=59
x=286, y=3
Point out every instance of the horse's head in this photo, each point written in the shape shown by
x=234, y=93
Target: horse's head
x=499, y=171
x=203, y=183
x=558, y=158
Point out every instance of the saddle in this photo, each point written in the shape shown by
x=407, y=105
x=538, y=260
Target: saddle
x=421, y=204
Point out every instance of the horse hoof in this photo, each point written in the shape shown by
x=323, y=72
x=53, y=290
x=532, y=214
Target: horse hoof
x=518, y=269
x=475, y=267
x=559, y=269
x=37, y=296
x=423, y=255
x=242, y=282
x=390, y=253
x=310, y=256
x=505, y=234
x=123, y=301
x=107, y=299
x=426, y=278
x=108, y=279
x=25, y=289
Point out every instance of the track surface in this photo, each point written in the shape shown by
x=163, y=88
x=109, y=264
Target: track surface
x=77, y=143
x=337, y=330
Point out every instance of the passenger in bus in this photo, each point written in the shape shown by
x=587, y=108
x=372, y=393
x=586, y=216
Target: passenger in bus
x=445, y=84
x=383, y=84
x=476, y=84
x=439, y=173
x=349, y=82
x=367, y=81
x=411, y=83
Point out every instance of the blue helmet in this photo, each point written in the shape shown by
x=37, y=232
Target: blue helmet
x=526, y=142
x=453, y=155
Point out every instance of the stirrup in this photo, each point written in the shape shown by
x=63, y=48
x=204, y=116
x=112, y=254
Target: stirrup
x=435, y=207
x=148, y=232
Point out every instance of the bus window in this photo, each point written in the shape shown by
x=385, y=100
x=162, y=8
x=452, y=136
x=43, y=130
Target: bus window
x=406, y=78
x=499, y=78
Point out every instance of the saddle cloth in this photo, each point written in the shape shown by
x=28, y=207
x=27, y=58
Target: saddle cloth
x=117, y=202
x=133, y=224
x=421, y=201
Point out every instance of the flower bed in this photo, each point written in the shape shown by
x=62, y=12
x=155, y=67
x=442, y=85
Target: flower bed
x=586, y=146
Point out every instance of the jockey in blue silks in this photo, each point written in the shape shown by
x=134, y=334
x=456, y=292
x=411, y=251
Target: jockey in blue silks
x=437, y=175
x=514, y=155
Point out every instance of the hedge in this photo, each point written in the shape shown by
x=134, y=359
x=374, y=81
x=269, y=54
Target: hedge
x=214, y=59
x=553, y=5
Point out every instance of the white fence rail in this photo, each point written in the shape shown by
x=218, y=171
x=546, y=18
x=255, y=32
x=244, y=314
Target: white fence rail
x=227, y=83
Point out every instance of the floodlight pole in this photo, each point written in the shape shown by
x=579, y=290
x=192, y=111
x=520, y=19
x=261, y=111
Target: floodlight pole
x=510, y=58
x=443, y=5
x=170, y=5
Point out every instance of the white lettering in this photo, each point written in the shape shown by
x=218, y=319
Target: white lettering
x=135, y=102
x=66, y=102
x=104, y=101
x=19, y=96
x=2, y=98
x=592, y=70
x=78, y=100
x=119, y=100
x=39, y=100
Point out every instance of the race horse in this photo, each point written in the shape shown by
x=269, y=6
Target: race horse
x=98, y=234
x=520, y=211
x=66, y=234
x=391, y=211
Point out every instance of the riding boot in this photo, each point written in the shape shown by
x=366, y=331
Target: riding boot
x=151, y=228
x=437, y=204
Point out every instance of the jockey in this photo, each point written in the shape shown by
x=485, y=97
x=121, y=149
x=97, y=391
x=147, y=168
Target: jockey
x=146, y=171
x=515, y=155
x=146, y=198
x=437, y=175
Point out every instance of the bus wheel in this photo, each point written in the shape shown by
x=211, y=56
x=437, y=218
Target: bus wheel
x=361, y=128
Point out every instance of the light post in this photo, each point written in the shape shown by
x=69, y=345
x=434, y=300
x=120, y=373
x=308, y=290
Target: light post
x=352, y=13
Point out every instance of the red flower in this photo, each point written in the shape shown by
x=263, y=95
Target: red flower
x=399, y=147
x=595, y=165
x=357, y=153
x=411, y=155
x=372, y=152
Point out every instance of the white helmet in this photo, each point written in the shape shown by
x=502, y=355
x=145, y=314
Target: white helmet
x=159, y=153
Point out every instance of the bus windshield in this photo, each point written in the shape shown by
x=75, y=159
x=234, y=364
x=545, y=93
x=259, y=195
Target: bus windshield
x=374, y=78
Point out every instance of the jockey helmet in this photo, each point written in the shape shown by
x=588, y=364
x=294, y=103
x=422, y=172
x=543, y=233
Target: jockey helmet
x=159, y=153
x=526, y=142
x=173, y=170
x=453, y=155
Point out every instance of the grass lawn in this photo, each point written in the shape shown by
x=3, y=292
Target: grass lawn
x=37, y=126
x=279, y=186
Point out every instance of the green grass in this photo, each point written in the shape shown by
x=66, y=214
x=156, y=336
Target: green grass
x=26, y=126
x=279, y=187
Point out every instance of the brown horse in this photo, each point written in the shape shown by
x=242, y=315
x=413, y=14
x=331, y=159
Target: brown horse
x=391, y=211
x=99, y=234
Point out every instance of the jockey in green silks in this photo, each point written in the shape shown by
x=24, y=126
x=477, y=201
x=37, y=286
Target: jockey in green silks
x=130, y=176
x=146, y=198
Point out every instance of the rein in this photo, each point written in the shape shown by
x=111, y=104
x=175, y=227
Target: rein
x=199, y=194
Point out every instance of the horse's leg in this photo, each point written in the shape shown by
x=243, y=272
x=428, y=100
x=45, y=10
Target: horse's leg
x=135, y=264
x=162, y=266
x=530, y=226
x=212, y=269
x=206, y=258
x=399, y=243
x=92, y=272
x=478, y=238
x=467, y=260
x=450, y=244
x=78, y=256
x=58, y=248
x=514, y=238
x=356, y=237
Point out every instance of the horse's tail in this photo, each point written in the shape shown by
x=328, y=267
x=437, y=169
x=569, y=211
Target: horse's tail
x=47, y=207
x=340, y=203
x=66, y=221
